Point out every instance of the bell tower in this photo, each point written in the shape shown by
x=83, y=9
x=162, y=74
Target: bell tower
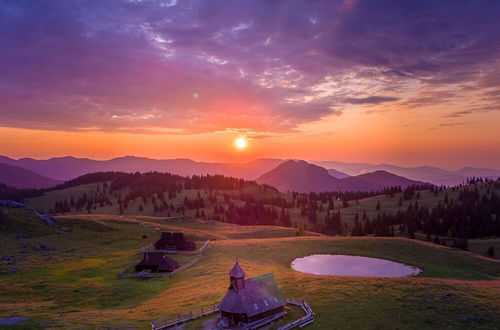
x=237, y=277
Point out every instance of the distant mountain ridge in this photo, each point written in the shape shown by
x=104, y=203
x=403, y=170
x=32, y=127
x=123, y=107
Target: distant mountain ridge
x=429, y=174
x=66, y=168
x=301, y=176
x=19, y=177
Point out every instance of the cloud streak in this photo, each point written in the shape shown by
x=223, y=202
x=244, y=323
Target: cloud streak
x=263, y=66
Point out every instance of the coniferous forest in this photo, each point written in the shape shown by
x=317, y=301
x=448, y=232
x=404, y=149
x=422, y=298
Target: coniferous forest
x=473, y=213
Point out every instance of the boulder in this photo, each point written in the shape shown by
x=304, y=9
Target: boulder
x=12, y=204
x=43, y=246
x=45, y=218
x=22, y=235
x=464, y=319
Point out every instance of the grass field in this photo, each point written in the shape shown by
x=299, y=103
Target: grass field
x=79, y=289
x=213, y=230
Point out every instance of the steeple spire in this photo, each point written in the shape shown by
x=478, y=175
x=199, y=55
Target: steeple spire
x=237, y=277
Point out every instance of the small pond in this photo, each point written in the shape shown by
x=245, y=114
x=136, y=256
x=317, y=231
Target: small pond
x=341, y=265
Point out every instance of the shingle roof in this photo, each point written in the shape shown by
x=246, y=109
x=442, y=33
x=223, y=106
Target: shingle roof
x=163, y=262
x=260, y=294
x=178, y=240
x=237, y=271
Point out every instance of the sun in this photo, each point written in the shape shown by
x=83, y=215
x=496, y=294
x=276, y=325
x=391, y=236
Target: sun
x=241, y=143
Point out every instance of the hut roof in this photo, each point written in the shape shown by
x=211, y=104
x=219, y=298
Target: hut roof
x=159, y=259
x=259, y=295
x=175, y=239
x=237, y=271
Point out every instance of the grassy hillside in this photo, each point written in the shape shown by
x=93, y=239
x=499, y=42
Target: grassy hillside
x=213, y=198
x=78, y=288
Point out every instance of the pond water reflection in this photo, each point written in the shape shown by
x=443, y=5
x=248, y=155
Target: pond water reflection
x=342, y=265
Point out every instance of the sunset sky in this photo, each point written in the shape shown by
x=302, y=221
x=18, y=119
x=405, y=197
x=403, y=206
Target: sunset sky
x=402, y=82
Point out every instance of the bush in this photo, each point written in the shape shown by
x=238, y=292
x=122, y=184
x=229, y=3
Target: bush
x=491, y=251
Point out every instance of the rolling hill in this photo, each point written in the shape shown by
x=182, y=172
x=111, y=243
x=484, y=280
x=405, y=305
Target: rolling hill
x=19, y=177
x=301, y=176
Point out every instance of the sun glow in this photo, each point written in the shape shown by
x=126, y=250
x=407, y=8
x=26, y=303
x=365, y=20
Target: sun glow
x=240, y=143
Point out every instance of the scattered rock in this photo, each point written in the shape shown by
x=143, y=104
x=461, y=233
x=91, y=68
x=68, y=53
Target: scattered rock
x=24, y=251
x=43, y=246
x=22, y=235
x=428, y=299
x=13, y=270
x=65, y=229
x=464, y=319
x=69, y=250
x=12, y=204
x=448, y=297
x=46, y=218
x=10, y=262
x=29, y=219
x=479, y=319
x=12, y=320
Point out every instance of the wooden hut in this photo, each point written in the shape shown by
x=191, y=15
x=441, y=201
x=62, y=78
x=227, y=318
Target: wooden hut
x=250, y=300
x=156, y=262
x=174, y=241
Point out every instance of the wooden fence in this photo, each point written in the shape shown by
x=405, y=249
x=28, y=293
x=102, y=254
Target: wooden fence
x=181, y=318
x=303, y=321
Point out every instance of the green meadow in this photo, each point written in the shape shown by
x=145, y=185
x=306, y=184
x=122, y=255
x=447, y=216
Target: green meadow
x=78, y=288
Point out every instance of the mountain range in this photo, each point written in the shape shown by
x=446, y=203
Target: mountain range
x=19, y=177
x=434, y=175
x=301, y=176
x=66, y=168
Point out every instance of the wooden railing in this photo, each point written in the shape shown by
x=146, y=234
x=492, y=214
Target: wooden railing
x=181, y=318
x=303, y=321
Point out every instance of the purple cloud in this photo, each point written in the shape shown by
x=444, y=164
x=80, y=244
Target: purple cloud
x=370, y=100
x=204, y=66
